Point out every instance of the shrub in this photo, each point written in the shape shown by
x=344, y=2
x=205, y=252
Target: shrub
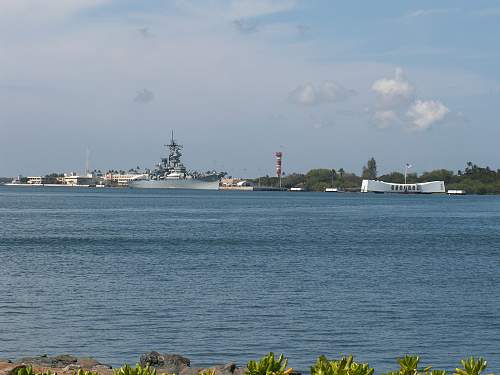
x=268, y=365
x=137, y=370
x=408, y=365
x=472, y=366
x=83, y=372
x=25, y=371
x=344, y=366
x=29, y=371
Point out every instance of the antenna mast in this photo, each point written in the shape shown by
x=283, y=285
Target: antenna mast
x=87, y=155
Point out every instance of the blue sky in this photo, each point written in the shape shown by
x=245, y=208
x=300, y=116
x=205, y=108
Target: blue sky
x=329, y=83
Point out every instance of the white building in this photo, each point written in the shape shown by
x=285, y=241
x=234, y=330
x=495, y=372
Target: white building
x=244, y=183
x=35, y=180
x=75, y=180
x=388, y=187
x=236, y=184
x=122, y=179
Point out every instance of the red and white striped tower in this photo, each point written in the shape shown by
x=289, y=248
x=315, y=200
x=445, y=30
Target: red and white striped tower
x=279, y=156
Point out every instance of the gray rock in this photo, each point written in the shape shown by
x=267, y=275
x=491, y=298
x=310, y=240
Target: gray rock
x=11, y=370
x=227, y=369
x=100, y=367
x=44, y=360
x=170, y=363
x=88, y=363
x=64, y=361
x=72, y=368
x=191, y=371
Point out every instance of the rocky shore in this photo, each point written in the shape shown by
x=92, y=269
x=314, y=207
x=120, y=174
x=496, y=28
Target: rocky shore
x=67, y=365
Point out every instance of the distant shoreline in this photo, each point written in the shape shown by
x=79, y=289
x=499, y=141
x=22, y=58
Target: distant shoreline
x=243, y=189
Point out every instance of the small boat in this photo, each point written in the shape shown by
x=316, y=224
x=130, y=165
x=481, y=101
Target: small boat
x=456, y=192
x=331, y=190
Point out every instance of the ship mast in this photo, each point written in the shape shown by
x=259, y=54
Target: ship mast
x=174, y=154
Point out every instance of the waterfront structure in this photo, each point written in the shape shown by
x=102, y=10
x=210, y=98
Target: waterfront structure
x=71, y=179
x=236, y=184
x=76, y=180
x=122, y=180
x=375, y=186
x=36, y=180
x=170, y=173
x=456, y=192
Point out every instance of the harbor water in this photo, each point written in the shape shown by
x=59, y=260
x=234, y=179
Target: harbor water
x=221, y=276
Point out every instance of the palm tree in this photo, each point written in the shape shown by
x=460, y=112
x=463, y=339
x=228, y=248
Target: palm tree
x=341, y=182
x=334, y=173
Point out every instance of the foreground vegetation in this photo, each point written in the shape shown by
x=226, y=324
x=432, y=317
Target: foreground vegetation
x=473, y=178
x=270, y=365
x=29, y=371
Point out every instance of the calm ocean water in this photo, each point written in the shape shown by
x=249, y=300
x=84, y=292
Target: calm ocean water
x=229, y=276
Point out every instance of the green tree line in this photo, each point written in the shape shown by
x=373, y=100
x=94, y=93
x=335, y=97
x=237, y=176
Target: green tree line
x=473, y=179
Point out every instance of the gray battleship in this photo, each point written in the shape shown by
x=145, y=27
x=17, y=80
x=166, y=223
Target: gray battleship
x=170, y=173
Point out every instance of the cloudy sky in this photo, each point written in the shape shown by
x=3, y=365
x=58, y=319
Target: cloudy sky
x=329, y=83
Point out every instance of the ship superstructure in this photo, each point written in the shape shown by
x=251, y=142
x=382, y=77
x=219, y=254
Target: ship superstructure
x=170, y=167
x=171, y=173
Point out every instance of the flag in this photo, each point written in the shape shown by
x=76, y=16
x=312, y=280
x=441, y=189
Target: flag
x=408, y=165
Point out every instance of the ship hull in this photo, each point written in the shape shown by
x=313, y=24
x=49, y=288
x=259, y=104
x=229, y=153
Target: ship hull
x=175, y=184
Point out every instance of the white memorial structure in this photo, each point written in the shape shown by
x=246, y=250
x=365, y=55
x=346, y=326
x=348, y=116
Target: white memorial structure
x=375, y=186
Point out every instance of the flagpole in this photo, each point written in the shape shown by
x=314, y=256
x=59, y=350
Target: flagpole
x=407, y=166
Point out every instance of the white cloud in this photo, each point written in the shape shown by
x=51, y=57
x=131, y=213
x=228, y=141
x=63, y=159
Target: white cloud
x=394, y=91
x=327, y=92
x=305, y=94
x=425, y=113
x=398, y=105
x=385, y=118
